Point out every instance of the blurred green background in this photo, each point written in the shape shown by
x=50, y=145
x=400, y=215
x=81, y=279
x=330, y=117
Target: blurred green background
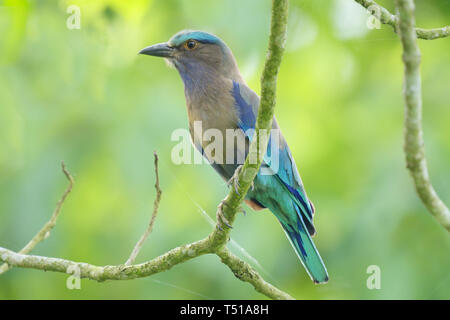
x=85, y=96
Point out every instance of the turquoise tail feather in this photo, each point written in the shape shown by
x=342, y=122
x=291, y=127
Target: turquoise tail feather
x=302, y=242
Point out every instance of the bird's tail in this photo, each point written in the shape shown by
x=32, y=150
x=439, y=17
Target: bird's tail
x=300, y=239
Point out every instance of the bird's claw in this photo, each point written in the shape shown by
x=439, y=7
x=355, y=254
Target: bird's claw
x=235, y=180
x=221, y=217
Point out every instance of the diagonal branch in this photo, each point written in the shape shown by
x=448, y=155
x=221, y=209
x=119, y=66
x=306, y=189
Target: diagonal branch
x=149, y=229
x=388, y=18
x=45, y=231
x=413, y=135
x=215, y=243
x=243, y=271
x=264, y=118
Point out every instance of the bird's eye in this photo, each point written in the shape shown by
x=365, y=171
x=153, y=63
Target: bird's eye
x=190, y=44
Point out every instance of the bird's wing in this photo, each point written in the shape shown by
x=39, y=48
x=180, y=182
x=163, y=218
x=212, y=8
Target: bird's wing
x=247, y=103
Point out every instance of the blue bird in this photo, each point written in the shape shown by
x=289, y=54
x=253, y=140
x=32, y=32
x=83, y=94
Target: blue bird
x=218, y=98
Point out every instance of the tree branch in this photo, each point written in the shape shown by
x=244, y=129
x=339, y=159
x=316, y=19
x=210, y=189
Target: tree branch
x=388, y=18
x=44, y=233
x=413, y=134
x=102, y=273
x=149, y=229
x=216, y=242
x=243, y=271
x=258, y=146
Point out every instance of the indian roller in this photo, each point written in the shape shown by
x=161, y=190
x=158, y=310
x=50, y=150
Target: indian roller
x=218, y=97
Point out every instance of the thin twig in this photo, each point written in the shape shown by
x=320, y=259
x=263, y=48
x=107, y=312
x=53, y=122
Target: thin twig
x=149, y=229
x=388, y=18
x=413, y=135
x=45, y=231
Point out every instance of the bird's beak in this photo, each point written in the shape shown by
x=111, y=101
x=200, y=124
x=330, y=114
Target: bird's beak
x=158, y=50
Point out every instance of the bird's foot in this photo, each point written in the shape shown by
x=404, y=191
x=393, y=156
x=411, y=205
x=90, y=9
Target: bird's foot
x=234, y=180
x=221, y=217
x=241, y=209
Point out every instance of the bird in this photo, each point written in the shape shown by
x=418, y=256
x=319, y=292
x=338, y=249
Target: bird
x=218, y=98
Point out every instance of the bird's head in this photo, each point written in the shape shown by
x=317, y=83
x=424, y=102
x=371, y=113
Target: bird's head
x=194, y=53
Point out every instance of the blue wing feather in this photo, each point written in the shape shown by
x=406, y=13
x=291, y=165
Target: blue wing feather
x=287, y=170
x=282, y=192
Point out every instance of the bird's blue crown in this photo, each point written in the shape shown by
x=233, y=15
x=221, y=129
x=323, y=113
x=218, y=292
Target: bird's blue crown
x=200, y=36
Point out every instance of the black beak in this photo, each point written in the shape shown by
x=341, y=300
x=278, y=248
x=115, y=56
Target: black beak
x=158, y=50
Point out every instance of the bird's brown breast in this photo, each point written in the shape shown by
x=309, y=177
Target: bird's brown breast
x=211, y=112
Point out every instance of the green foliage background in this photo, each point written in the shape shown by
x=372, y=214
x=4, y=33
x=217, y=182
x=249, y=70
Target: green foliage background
x=86, y=97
